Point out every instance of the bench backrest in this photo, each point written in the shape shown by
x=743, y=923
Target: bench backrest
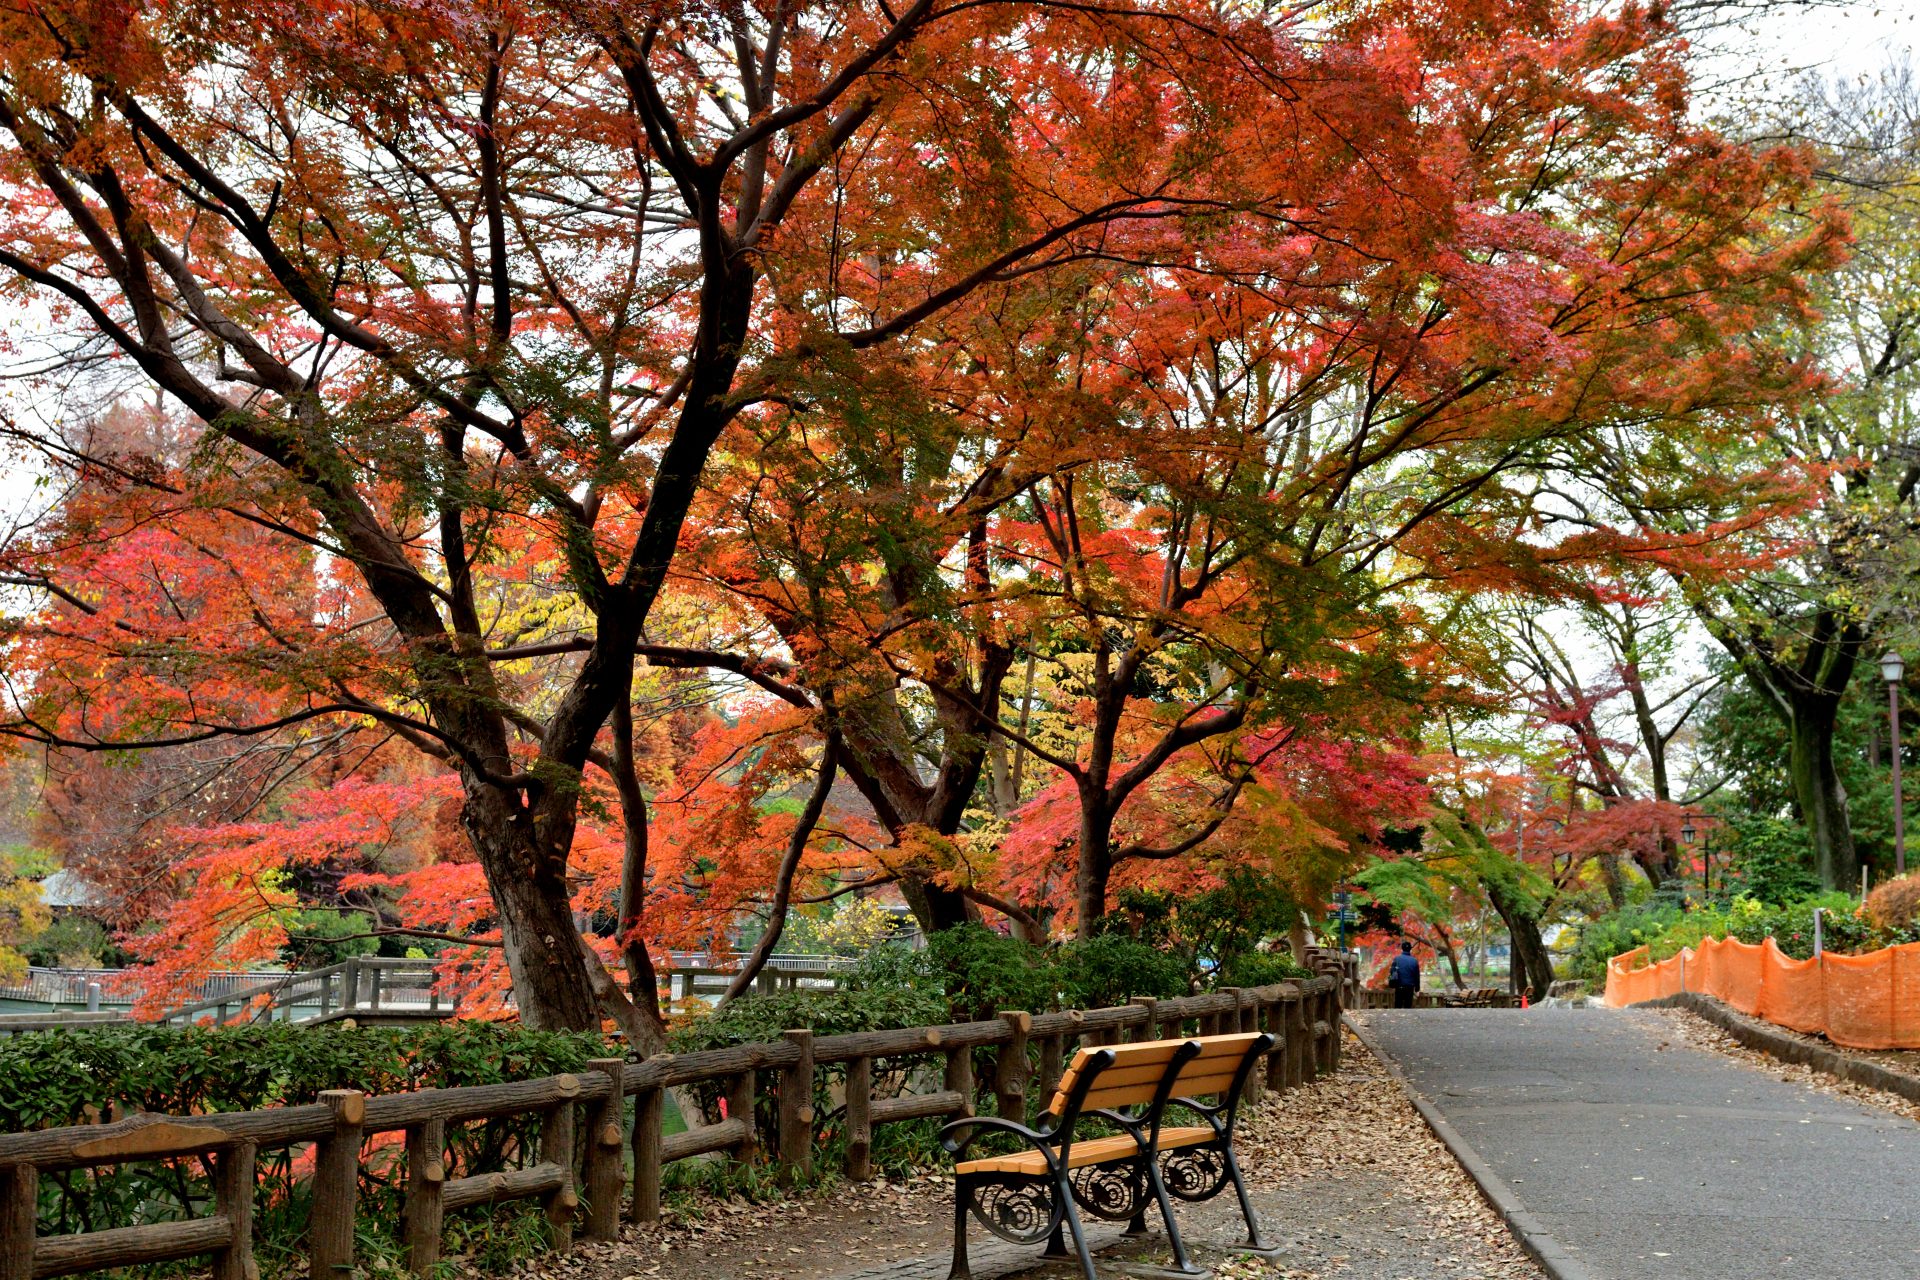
x=1133, y=1078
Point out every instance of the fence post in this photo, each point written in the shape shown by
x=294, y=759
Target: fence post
x=1299, y=1031
x=1052, y=1050
x=1276, y=1019
x=350, y=986
x=556, y=1147
x=1329, y=1012
x=859, y=1119
x=19, y=1214
x=1010, y=1069
x=1245, y=1018
x=336, y=1185
x=1336, y=1015
x=648, y=1110
x=796, y=1109
x=233, y=1200
x=960, y=1078
x=1148, y=1029
x=603, y=1174
x=740, y=1103
x=421, y=1212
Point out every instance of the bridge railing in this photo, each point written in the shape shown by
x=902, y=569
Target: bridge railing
x=369, y=985
x=579, y=1155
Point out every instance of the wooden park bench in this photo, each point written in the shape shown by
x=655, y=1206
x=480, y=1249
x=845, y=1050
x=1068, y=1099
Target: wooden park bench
x=1029, y=1196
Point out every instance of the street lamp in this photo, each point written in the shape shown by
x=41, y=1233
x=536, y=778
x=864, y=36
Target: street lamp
x=1892, y=667
x=1687, y=832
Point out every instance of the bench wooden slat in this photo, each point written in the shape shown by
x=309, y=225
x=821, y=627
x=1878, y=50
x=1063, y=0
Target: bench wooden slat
x=1187, y=1087
x=1081, y=1154
x=1137, y=1069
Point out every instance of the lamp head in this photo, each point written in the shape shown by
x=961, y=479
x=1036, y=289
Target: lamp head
x=1892, y=667
x=1687, y=831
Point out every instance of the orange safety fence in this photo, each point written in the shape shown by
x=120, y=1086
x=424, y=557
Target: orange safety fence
x=1866, y=1002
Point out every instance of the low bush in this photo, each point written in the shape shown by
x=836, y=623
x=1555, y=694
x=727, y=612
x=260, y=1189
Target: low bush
x=1894, y=908
x=1261, y=969
x=1666, y=928
x=59, y=1077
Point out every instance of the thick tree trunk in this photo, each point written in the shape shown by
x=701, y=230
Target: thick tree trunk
x=1532, y=965
x=1818, y=792
x=1095, y=867
x=934, y=906
x=528, y=878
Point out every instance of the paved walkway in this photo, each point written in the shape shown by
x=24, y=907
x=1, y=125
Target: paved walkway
x=1650, y=1160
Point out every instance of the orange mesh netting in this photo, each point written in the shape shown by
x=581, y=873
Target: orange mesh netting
x=1868, y=1002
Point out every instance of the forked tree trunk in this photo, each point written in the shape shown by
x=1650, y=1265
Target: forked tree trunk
x=528, y=879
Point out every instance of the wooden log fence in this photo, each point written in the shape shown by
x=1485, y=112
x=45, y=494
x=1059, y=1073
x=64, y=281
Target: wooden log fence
x=581, y=1154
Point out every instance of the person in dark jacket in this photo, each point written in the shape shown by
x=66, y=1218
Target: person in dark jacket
x=1403, y=977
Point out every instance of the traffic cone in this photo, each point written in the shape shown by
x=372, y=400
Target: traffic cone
x=1525, y=1003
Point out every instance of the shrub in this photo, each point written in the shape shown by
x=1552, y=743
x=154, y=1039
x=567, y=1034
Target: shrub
x=1773, y=859
x=1260, y=969
x=52, y=1078
x=1109, y=969
x=74, y=942
x=984, y=972
x=826, y=1013
x=1604, y=937
x=1894, y=907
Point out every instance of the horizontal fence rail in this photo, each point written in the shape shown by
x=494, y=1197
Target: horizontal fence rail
x=577, y=1166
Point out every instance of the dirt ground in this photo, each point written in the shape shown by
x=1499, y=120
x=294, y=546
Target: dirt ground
x=1348, y=1181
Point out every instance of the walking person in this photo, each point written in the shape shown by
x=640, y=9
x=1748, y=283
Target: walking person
x=1403, y=977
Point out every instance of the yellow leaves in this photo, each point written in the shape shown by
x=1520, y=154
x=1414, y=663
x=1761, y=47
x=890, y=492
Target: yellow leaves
x=22, y=915
x=954, y=861
x=1308, y=857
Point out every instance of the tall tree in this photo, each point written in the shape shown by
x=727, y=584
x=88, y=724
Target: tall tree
x=438, y=278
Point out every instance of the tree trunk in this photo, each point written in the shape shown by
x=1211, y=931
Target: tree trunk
x=1095, y=867
x=934, y=906
x=1530, y=959
x=1610, y=878
x=528, y=878
x=1818, y=792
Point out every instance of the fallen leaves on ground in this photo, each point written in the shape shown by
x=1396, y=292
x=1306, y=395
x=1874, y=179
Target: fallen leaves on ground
x=1347, y=1178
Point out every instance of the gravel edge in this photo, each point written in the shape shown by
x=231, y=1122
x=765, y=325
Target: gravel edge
x=1541, y=1245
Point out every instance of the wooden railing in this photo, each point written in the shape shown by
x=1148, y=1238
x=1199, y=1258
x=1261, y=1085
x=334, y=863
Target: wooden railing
x=580, y=1148
x=369, y=986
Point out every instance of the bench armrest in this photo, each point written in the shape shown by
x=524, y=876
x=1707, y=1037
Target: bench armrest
x=953, y=1144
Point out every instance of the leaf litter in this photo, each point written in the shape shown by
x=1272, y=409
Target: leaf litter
x=1348, y=1180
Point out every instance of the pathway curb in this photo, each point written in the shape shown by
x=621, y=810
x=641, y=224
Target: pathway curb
x=1764, y=1038
x=1541, y=1245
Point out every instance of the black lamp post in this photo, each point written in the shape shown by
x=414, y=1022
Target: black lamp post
x=1892, y=667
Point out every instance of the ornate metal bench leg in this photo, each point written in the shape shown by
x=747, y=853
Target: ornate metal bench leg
x=1254, y=1238
x=1181, y=1262
x=1057, y=1242
x=960, y=1193
x=1137, y=1225
x=1072, y=1215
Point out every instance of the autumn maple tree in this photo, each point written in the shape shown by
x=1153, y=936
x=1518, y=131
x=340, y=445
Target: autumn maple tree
x=552, y=364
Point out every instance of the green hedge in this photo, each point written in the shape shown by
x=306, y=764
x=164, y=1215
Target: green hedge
x=52, y=1078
